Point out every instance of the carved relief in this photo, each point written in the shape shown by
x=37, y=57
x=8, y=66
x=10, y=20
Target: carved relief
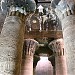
x=57, y=47
x=30, y=46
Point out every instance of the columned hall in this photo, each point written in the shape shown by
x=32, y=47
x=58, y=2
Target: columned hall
x=37, y=37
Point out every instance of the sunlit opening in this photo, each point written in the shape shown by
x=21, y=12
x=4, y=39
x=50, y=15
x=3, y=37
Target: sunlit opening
x=44, y=66
x=42, y=58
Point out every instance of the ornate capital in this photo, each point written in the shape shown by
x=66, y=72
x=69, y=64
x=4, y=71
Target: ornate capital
x=57, y=46
x=65, y=8
x=31, y=46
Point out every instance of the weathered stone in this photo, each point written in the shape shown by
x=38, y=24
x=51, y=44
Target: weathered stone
x=68, y=27
x=11, y=43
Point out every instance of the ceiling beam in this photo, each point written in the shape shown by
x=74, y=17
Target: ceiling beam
x=49, y=34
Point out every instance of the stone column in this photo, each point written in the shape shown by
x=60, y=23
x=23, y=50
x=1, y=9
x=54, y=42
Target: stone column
x=11, y=45
x=60, y=60
x=68, y=29
x=27, y=68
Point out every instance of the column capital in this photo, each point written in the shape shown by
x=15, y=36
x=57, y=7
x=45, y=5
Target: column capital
x=57, y=46
x=17, y=11
x=65, y=8
x=31, y=46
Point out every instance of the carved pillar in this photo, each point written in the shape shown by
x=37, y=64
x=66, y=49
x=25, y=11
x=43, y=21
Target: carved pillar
x=11, y=45
x=31, y=45
x=60, y=61
x=68, y=29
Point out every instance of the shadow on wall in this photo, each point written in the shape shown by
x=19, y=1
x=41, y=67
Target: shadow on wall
x=2, y=18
